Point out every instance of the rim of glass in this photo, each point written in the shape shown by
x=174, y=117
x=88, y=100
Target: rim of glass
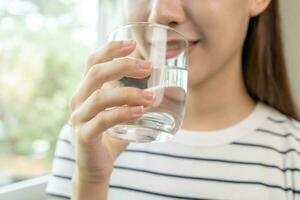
x=132, y=24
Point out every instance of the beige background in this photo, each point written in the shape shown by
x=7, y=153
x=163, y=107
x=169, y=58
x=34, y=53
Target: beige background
x=291, y=25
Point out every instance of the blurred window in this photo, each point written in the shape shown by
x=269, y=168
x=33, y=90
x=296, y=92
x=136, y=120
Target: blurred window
x=43, y=49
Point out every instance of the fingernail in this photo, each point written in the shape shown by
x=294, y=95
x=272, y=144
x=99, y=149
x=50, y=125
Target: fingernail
x=137, y=110
x=145, y=64
x=128, y=43
x=147, y=95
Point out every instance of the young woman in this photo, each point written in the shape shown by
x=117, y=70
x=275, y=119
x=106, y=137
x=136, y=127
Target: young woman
x=239, y=139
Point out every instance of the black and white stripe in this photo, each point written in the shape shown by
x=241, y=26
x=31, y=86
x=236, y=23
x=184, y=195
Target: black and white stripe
x=264, y=164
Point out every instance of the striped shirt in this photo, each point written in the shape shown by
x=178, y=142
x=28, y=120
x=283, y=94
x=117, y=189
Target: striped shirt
x=257, y=158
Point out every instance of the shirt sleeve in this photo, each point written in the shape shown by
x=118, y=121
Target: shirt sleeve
x=59, y=184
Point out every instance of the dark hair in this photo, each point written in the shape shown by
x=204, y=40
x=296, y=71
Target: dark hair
x=264, y=66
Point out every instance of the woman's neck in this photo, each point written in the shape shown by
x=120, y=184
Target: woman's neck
x=218, y=103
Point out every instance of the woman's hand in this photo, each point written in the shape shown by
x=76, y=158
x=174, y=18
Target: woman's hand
x=95, y=108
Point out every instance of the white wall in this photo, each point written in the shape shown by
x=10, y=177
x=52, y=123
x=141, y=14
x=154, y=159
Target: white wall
x=291, y=25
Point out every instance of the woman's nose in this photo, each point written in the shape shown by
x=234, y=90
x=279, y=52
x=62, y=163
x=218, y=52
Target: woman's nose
x=167, y=12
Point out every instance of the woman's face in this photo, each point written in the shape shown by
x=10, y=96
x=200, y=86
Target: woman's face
x=218, y=26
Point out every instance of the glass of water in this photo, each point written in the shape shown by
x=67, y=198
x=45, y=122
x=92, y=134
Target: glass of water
x=167, y=51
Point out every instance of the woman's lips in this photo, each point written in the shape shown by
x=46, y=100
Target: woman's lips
x=174, y=48
x=172, y=53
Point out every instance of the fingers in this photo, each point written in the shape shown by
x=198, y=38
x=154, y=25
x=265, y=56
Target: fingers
x=110, y=51
x=107, y=119
x=109, y=71
x=107, y=98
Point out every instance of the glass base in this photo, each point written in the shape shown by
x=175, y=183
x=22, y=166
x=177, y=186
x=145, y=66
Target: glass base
x=152, y=127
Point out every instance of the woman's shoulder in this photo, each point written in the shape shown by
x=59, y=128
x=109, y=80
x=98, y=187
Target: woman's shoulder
x=283, y=125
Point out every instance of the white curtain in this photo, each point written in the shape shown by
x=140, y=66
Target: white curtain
x=109, y=18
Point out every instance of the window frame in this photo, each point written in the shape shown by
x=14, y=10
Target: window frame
x=33, y=189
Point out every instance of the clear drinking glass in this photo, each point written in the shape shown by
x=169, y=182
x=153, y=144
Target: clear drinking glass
x=167, y=50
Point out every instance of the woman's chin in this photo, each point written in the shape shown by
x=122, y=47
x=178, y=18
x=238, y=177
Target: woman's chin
x=194, y=82
x=198, y=78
